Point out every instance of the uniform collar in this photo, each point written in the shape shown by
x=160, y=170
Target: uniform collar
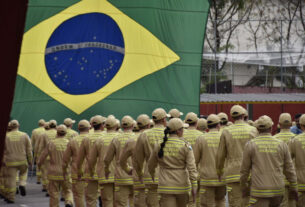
x=285, y=130
x=214, y=130
x=265, y=134
x=240, y=121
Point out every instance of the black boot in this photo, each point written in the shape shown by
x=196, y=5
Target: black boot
x=68, y=205
x=17, y=191
x=62, y=199
x=22, y=190
x=100, y=201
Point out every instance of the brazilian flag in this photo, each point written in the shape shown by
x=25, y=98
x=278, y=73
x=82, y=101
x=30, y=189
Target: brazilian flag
x=88, y=57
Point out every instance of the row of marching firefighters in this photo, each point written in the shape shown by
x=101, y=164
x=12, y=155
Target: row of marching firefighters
x=160, y=162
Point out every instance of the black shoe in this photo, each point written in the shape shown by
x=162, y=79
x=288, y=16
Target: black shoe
x=22, y=190
x=17, y=191
x=68, y=205
x=38, y=183
x=62, y=199
x=1, y=196
x=9, y=201
x=47, y=195
x=44, y=190
x=100, y=201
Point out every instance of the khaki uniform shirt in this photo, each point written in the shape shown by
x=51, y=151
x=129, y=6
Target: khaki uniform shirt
x=35, y=136
x=55, y=150
x=45, y=138
x=176, y=168
x=297, y=150
x=231, y=147
x=191, y=135
x=84, y=152
x=129, y=151
x=17, y=149
x=268, y=160
x=71, y=154
x=114, y=152
x=285, y=135
x=205, y=154
x=96, y=157
x=144, y=147
x=71, y=133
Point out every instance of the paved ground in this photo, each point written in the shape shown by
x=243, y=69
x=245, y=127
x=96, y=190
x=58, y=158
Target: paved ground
x=34, y=197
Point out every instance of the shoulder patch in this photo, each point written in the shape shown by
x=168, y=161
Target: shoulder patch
x=190, y=147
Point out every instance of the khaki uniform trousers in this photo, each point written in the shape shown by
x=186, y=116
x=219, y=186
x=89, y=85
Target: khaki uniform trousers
x=91, y=193
x=139, y=197
x=301, y=201
x=152, y=197
x=123, y=195
x=212, y=196
x=235, y=196
x=78, y=190
x=266, y=202
x=10, y=179
x=286, y=201
x=55, y=186
x=38, y=174
x=44, y=174
x=174, y=200
x=107, y=194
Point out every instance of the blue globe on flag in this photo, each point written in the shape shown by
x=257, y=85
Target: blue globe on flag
x=84, y=53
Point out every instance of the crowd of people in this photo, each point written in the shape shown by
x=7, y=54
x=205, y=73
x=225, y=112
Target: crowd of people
x=161, y=160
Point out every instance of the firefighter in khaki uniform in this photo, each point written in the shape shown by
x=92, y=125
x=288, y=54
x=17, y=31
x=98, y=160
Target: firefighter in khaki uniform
x=34, y=139
x=70, y=159
x=45, y=138
x=177, y=169
x=174, y=113
x=2, y=170
x=96, y=158
x=17, y=157
x=144, y=147
x=297, y=150
x=285, y=135
x=202, y=125
x=230, y=150
x=143, y=122
x=212, y=190
x=55, y=150
x=123, y=181
x=68, y=122
x=268, y=160
x=91, y=189
x=223, y=120
x=191, y=134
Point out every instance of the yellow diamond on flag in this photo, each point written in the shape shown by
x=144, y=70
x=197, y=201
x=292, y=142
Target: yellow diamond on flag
x=79, y=72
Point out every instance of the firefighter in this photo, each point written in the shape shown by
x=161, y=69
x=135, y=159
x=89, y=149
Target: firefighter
x=143, y=122
x=177, y=169
x=175, y=113
x=17, y=157
x=96, y=158
x=268, y=160
x=70, y=159
x=297, y=150
x=123, y=181
x=202, y=125
x=212, y=190
x=68, y=122
x=144, y=147
x=55, y=150
x=230, y=150
x=34, y=139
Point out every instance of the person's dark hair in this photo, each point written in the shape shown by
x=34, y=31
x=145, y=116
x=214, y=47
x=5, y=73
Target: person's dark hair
x=158, y=121
x=297, y=116
x=223, y=122
x=165, y=138
x=264, y=130
x=212, y=126
x=192, y=124
x=237, y=117
x=97, y=127
x=52, y=126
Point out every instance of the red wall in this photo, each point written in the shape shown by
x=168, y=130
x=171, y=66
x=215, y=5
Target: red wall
x=271, y=110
